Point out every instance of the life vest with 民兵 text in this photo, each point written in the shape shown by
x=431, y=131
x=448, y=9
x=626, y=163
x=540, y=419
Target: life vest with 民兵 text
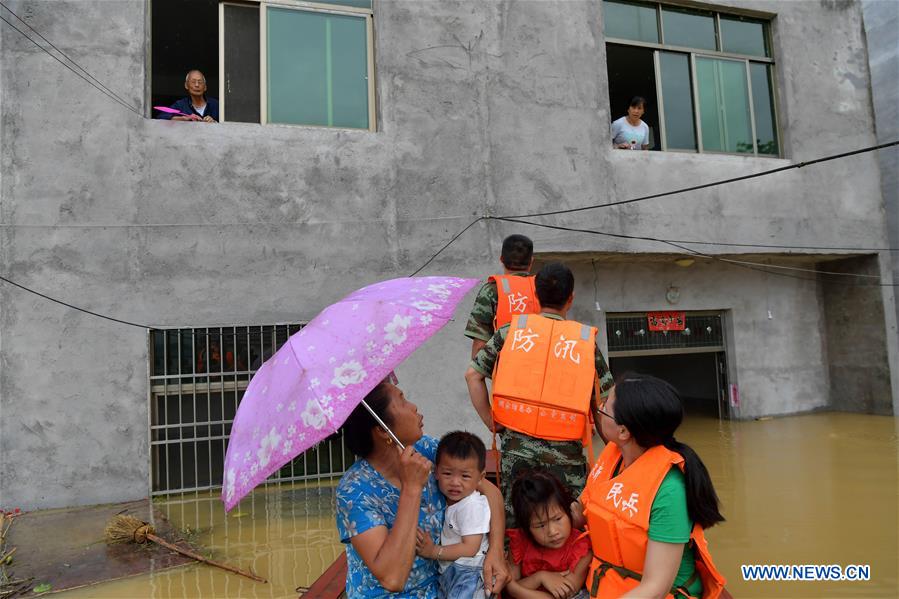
x=544, y=377
x=617, y=512
x=515, y=295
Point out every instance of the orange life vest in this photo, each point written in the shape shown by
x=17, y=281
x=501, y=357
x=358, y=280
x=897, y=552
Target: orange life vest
x=617, y=514
x=543, y=379
x=515, y=295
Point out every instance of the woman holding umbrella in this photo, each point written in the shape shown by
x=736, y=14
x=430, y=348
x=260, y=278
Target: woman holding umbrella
x=389, y=493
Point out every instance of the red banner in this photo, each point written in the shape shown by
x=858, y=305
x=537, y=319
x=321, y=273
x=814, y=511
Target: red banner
x=667, y=321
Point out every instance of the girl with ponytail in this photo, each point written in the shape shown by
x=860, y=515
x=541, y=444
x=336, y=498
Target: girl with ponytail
x=648, y=499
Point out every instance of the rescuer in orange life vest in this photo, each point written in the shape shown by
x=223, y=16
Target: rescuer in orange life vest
x=544, y=370
x=505, y=295
x=648, y=499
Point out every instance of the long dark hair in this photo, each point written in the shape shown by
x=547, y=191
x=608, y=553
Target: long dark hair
x=533, y=490
x=651, y=410
x=357, y=428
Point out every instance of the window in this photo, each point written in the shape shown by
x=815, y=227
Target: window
x=279, y=61
x=197, y=380
x=298, y=63
x=708, y=77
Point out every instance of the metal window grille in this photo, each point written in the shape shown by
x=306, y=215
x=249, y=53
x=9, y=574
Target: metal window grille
x=631, y=333
x=197, y=379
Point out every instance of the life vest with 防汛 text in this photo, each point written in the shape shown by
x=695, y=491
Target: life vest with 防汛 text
x=544, y=377
x=515, y=295
x=617, y=511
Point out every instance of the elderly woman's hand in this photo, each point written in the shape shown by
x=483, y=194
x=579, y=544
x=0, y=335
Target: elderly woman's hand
x=414, y=469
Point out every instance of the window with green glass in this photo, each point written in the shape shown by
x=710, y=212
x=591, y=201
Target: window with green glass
x=631, y=21
x=723, y=105
x=763, y=105
x=743, y=36
x=687, y=28
x=709, y=84
x=314, y=67
x=317, y=69
x=677, y=95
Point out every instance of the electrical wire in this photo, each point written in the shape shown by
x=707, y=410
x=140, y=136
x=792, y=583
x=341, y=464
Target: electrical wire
x=448, y=243
x=711, y=184
x=74, y=307
x=219, y=225
x=678, y=245
x=109, y=94
x=95, y=83
x=66, y=56
x=757, y=266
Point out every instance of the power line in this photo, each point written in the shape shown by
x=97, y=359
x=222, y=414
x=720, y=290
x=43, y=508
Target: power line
x=711, y=184
x=357, y=222
x=307, y=223
x=74, y=307
x=678, y=245
x=758, y=266
x=60, y=61
x=668, y=193
x=448, y=243
x=66, y=56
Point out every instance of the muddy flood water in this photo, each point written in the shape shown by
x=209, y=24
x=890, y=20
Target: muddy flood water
x=813, y=489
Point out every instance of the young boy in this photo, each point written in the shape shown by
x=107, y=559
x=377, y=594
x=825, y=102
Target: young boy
x=460, y=466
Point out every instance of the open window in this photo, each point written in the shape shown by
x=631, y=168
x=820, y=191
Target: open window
x=184, y=38
x=707, y=76
x=284, y=61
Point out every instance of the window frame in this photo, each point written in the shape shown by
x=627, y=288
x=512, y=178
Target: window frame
x=692, y=54
x=300, y=5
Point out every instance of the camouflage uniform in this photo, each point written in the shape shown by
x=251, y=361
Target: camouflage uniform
x=480, y=322
x=565, y=459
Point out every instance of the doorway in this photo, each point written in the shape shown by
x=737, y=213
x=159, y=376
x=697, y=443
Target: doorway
x=693, y=359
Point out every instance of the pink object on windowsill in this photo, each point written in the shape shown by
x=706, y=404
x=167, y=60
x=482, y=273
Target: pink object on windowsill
x=192, y=117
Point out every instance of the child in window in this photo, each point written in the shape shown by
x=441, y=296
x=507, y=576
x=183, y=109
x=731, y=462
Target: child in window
x=550, y=558
x=460, y=467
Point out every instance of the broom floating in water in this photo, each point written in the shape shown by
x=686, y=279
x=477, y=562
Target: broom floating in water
x=128, y=529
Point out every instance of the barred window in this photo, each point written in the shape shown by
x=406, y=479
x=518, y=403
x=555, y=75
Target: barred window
x=197, y=379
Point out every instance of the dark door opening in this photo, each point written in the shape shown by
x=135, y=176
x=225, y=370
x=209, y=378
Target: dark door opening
x=698, y=377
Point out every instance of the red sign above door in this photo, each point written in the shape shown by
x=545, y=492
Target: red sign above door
x=667, y=321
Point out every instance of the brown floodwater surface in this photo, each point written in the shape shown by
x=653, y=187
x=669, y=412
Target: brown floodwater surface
x=813, y=489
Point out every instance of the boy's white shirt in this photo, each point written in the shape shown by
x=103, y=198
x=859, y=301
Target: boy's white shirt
x=468, y=516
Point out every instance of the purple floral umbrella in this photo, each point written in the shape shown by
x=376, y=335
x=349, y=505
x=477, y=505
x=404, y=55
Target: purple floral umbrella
x=308, y=388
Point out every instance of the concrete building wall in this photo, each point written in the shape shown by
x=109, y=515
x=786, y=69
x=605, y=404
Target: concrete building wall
x=496, y=107
x=854, y=317
x=881, y=18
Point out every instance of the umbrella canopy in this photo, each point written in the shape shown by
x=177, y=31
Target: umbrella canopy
x=308, y=388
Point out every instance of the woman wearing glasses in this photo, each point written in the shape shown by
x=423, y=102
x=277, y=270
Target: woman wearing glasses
x=648, y=500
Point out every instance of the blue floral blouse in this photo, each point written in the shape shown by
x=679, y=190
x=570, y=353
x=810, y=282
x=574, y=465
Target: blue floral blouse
x=365, y=500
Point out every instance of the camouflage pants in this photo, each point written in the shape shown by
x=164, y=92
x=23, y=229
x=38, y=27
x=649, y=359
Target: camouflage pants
x=522, y=452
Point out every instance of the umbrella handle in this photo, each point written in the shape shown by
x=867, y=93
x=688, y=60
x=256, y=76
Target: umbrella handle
x=384, y=426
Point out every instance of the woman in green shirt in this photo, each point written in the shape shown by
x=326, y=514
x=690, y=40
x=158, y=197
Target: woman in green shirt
x=643, y=464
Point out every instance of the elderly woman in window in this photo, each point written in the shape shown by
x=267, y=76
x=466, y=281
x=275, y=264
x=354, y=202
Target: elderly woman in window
x=388, y=494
